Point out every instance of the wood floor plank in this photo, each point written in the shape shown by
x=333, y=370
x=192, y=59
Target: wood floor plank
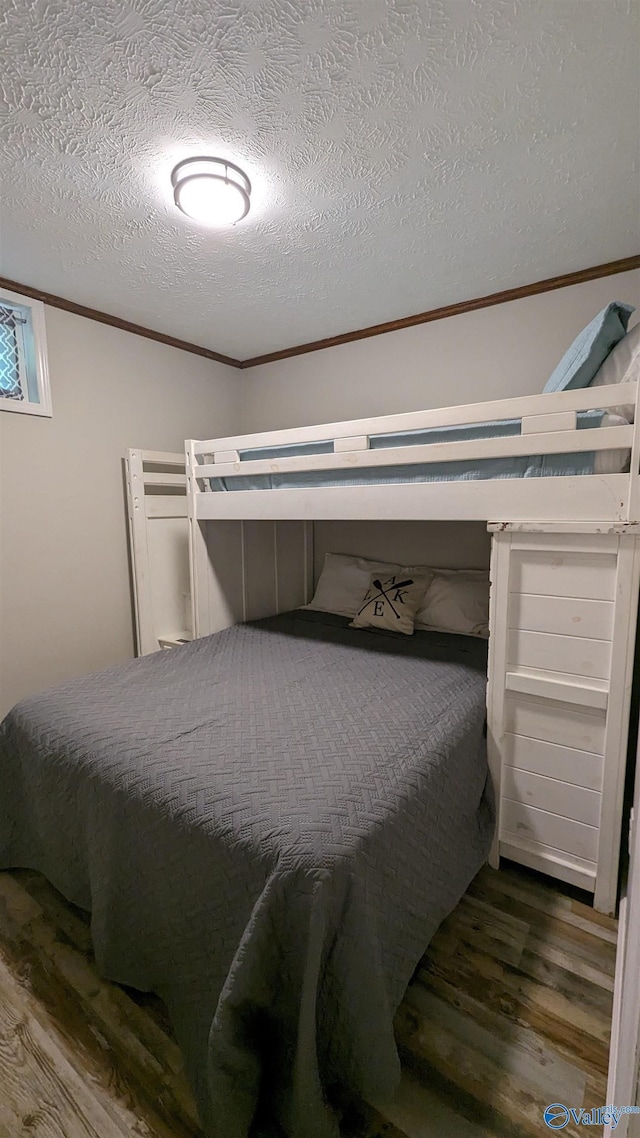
x=96, y=1061
x=498, y=934
x=149, y=1047
x=69, y=921
x=106, y=1024
x=459, y=948
x=37, y=1068
x=50, y=1004
x=417, y=1111
x=596, y=1092
x=509, y=1009
x=558, y=907
x=479, y=1076
x=592, y=950
x=545, y=951
x=515, y=1050
x=563, y=1042
x=485, y=988
x=523, y=993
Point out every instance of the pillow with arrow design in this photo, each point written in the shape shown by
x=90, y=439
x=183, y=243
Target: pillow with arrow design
x=391, y=602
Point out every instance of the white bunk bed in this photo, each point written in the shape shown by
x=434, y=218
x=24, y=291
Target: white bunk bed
x=565, y=571
x=549, y=427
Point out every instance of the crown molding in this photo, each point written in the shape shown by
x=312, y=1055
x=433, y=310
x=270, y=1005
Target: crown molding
x=610, y=268
x=116, y=322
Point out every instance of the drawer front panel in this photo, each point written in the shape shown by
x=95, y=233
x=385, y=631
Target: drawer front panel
x=549, y=829
x=552, y=795
x=564, y=574
x=564, y=616
x=580, y=768
x=554, y=723
x=573, y=654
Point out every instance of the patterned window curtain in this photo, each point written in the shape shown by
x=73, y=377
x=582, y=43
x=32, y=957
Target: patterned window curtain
x=10, y=385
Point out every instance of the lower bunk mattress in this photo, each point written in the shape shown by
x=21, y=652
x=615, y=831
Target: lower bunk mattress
x=267, y=825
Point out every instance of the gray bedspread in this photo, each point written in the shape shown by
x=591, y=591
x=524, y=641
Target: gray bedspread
x=268, y=825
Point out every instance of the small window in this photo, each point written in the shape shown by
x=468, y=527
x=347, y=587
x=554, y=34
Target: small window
x=24, y=376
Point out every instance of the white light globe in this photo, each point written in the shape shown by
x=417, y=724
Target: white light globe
x=211, y=201
x=211, y=191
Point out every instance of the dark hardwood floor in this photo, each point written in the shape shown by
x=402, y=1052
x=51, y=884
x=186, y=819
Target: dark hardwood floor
x=509, y=1011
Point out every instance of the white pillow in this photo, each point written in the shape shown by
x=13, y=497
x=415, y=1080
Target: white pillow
x=344, y=581
x=460, y=603
x=622, y=365
x=456, y=601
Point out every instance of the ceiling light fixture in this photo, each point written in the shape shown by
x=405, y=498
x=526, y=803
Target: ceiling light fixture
x=211, y=190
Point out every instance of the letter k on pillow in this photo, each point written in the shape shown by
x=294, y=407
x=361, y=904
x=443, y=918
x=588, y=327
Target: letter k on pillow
x=391, y=602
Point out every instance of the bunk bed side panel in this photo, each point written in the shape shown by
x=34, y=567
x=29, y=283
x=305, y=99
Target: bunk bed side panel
x=244, y=570
x=571, y=498
x=563, y=614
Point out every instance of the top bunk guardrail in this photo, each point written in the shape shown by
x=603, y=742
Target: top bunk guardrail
x=591, y=469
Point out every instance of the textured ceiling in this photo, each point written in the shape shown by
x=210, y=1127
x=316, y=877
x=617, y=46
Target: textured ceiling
x=405, y=154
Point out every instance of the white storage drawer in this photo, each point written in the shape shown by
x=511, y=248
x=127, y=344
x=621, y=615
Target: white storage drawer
x=563, y=610
x=561, y=616
x=576, y=655
x=554, y=722
x=580, y=768
x=564, y=834
x=570, y=571
x=551, y=794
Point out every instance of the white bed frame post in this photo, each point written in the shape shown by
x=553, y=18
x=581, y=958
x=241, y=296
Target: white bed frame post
x=198, y=556
x=623, y=1084
x=139, y=550
x=157, y=516
x=624, y=1057
x=617, y=728
x=498, y=624
x=633, y=512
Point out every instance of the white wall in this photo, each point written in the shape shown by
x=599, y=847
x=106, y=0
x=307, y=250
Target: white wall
x=490, y=354
x=439, y=544
x=65, y=605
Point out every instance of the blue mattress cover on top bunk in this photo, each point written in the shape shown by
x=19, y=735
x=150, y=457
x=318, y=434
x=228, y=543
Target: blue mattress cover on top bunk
x=528, y=466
